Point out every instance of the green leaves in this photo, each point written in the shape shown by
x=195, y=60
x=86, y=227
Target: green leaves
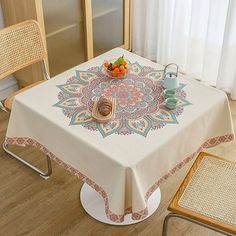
x=119, y=61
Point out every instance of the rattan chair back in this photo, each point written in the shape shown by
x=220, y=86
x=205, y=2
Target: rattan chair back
x=21, y=45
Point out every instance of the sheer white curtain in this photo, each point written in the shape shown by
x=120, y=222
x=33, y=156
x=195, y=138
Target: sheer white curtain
x=199, y=35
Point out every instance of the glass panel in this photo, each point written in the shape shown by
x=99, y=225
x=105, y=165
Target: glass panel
x=108, y=25
x=65, y=34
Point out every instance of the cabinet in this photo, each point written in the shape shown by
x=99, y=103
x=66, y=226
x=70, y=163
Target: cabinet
x=109, y=21
x=74, y=30
x=65, y=29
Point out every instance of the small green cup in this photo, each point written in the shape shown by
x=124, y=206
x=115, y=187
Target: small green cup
x=171, y=103
x=169, y=93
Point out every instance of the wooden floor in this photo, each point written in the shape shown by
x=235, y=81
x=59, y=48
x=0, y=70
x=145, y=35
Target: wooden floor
x=30, y=205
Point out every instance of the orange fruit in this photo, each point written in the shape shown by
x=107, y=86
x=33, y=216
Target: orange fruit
x=123, y=63
x=106, y=64
x=116, y=70
x=121, y=68
x=114, y=66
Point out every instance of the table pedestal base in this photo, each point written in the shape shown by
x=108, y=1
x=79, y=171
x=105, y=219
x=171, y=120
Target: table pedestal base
x=94, y=205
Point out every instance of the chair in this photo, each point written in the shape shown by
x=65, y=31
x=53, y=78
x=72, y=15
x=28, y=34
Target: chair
x=22, y=45
x=207, y=196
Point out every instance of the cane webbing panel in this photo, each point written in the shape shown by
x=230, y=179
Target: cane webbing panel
x=212, y=191
x=20, y=45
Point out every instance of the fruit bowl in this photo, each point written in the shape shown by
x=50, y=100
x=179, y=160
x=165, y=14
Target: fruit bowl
x=116, y=68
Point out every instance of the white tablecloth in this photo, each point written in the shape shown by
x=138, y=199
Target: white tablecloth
x=124, y=169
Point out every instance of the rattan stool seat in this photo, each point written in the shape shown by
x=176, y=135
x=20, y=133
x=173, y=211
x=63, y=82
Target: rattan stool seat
x=212, y=190
x=208, y=193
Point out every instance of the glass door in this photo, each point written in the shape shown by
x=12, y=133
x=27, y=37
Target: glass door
x=65, y=34
x=78, y=30
x=110, y=23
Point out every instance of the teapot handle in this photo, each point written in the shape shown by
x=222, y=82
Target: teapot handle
x=171, y=64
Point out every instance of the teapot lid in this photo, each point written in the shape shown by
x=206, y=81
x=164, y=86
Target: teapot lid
x=171, y=75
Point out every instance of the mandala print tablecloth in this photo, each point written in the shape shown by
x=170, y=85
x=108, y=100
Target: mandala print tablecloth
x=127, y=159
x=140, y=100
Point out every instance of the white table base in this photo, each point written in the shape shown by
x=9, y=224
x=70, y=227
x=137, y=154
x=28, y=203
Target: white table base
x=94, y=205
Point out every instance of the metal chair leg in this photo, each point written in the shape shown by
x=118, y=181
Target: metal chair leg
x=165, y=224
x=41, y=173
x=172, y=215
x=2, y=107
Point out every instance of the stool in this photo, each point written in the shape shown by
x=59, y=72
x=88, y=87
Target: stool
x=207, y=196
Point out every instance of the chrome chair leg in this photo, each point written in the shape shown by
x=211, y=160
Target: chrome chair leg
x=44, y=175
x=2, y=107
x=165, y=224
x=172, y=215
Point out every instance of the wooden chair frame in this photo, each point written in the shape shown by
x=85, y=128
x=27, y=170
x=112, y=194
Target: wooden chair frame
x=36, y=52
x=186, y=214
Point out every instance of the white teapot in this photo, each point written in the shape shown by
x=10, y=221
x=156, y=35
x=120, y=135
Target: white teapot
x=171, y=80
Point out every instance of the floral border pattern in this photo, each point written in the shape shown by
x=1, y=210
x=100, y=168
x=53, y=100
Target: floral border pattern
x=112, y=216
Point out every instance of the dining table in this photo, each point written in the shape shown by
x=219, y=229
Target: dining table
x=122, y=162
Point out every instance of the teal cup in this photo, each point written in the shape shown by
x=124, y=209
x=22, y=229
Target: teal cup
x=169, y=93
x=171, y=103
